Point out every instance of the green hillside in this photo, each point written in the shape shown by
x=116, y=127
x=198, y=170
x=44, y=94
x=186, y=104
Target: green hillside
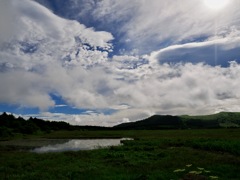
x=219, y=120
x=224, y=119
x=154, y=122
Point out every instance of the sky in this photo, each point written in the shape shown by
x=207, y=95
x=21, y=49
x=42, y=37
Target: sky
x=106, y=62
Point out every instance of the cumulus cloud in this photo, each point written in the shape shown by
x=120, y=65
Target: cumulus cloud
x=46, y=54
x=51, y=55
x=182, y=86
x=25, y=89
x=169, y=89
x=93, y=118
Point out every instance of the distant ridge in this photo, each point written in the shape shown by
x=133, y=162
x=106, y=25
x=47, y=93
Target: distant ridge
x=219, y=120
x=154, y=122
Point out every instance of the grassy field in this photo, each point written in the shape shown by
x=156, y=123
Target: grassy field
x=154, y=154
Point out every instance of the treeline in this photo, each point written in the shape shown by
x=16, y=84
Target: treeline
x=10, y=125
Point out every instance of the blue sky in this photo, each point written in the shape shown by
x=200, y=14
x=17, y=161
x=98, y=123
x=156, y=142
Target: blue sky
x=91, y=62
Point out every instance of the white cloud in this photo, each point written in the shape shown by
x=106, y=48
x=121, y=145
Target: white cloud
x=150, y=24
x=94, y=119
x=184, y=88
x=49, y=54
x=215, y=51
x=25, y=89
x=61, y=105
x=46, y=54
x=168, y=89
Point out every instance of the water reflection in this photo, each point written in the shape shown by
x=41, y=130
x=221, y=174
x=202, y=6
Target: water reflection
x=80, y=144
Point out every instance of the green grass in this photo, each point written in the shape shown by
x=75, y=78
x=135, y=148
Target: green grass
x=224, y=119
x=153, y=155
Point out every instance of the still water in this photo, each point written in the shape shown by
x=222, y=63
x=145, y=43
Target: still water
x=79, y=144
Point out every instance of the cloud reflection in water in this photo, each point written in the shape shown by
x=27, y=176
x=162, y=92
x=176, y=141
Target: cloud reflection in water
x=80, y=144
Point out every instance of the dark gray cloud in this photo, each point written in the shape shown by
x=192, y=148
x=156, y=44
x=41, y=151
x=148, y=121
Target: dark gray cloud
x=7, y=21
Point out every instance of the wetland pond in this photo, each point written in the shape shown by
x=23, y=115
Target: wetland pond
x=61, y=145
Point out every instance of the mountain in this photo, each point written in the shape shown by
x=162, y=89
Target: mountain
x=220, y=120
x=154, y=122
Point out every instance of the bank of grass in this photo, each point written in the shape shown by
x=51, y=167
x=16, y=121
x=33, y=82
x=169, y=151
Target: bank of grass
x=149, y=134
x=154, y=154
